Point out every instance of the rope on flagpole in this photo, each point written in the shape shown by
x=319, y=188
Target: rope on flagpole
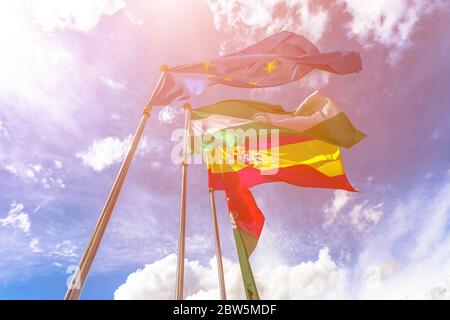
x=81, y=273
x=220, y=273
x=182, y=229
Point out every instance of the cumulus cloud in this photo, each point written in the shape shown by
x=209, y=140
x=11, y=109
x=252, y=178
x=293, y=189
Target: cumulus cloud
x=245, y=21
x=106, y=152
x=17, y=218
x=321, y=278
x=406, y=257
x=387, y=22
x=81, y=15
x=157, y=280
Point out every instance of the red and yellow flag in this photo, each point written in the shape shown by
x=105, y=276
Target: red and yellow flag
x=302, y=149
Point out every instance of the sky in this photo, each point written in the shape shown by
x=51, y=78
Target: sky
x=75, y=78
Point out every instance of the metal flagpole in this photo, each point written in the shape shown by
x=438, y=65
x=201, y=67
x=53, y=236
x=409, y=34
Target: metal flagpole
x=223, y=293
x=182, y=232
x=79, y=278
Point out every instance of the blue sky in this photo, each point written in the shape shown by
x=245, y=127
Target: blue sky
x=75, y=78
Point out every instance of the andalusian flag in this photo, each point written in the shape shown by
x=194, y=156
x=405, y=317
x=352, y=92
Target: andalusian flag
x=302, y=148
x=282, y=58
x=317, y=117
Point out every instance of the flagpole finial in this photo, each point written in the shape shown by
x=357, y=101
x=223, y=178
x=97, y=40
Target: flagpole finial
x=187, y=106
x=164, y=67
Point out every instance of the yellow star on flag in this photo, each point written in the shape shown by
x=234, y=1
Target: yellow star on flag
x=206, y=65
x=271, y=66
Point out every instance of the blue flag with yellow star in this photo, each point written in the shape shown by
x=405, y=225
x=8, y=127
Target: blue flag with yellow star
x=280, y=59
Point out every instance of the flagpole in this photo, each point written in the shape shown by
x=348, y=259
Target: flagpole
x=223, y=294
x=182, y=230
x=81, y=273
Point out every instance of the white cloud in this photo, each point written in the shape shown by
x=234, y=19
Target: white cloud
x=65, y=249
x=322, y=278
x=167, y=114
x=57, y=164
x=60, y=183
x=365, y=218
x=34, y=245
x=133, y=18
x=198, y=243
x=376, y=273
x=406, y=256
x=17, y=218
x=11, y=168
x=35, y=167
x=244, y=20
x=362, y=218
x=4, y=131
x=409, y=255
x=81, y=15
x=157, y=280
x=109, y=151
x=333, y=207
x=37, y=173
x=388, y=22
x=316, y=79
x=115, y=85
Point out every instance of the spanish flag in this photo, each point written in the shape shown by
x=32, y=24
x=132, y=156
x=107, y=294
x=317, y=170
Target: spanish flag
x=282, y=58
x=247, y=143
